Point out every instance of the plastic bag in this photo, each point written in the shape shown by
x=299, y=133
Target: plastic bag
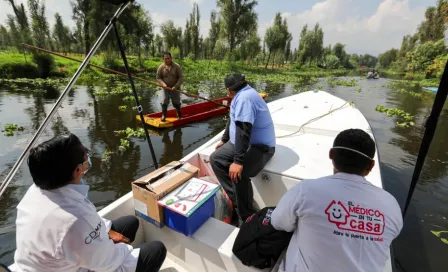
x=223, y=207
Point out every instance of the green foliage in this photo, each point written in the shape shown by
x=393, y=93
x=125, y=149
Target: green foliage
x=310, y=45
x=331, y=62
x=129, y=132
x=45, y=64
x=387, y=58
x=407, y=119
x=341, y=82
x=238, y=19
x=123, y=108
x=9, y=129
x=424, y=55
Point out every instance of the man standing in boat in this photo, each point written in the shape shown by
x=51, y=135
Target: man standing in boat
x=171, y=76
x=340, y=222
x=246, y=146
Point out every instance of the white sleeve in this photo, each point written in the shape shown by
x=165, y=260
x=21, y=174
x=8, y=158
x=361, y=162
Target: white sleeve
x=90, y=247
x=107, y=223
x=285, y=217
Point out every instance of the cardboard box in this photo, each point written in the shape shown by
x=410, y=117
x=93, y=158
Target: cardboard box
x=190, y=205
x=149, y=189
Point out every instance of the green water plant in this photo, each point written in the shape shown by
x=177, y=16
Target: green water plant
x=9, y=129
x=341, y=82
x=122, y=108
x=129, y=132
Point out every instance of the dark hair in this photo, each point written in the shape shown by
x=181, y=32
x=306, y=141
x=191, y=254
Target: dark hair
x=235, y=82
x=351, y=162
x=52, y=163
x=166, y=53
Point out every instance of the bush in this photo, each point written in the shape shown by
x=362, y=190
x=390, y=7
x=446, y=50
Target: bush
x=331, y=62
x=110, y=60
x=18, y=70
x=45, y=64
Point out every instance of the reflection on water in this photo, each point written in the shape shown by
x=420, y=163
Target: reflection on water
x=95, y=119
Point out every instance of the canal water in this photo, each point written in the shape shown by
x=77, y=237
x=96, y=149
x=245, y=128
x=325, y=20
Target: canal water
x=422, y=245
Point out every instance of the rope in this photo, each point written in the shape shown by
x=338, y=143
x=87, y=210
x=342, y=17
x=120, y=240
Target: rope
x=315, y=119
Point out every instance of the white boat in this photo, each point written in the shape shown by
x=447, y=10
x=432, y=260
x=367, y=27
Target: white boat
x=305, y=125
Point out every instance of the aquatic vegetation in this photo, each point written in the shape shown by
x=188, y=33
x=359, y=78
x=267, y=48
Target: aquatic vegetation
x=107, y=155
x=341, y=82
x=406, y=117
x=124, y=143
x=90, y=103
x=123, y=108
x=358, y=89
x=320, y=87
x=9, y=129
x=411, y=93
x=129, y=132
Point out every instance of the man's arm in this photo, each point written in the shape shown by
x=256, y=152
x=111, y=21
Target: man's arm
x=92, y=249
x=226, y=137
x=285, y=216
x=242, y=139
x=181, y=77
x=244, y=119
x=159, y=76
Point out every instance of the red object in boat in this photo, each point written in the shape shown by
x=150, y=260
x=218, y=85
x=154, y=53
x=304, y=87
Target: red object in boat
x=190, y=113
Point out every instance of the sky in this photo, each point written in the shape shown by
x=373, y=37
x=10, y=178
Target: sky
x=364, y=26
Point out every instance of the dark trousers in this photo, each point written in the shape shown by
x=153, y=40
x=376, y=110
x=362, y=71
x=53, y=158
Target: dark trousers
x=240, y=193
x=152, y=255
x=175, y=98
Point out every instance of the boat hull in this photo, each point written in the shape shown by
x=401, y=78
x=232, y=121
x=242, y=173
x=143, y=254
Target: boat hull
x=190, y=113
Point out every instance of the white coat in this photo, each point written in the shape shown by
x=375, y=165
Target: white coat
x=60, y=230
x=340, y=223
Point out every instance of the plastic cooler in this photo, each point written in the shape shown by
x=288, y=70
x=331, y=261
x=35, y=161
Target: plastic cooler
x=190, y=205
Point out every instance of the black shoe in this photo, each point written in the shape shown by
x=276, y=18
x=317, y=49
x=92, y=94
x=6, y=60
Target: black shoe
x=164, y=111
x=179, y=114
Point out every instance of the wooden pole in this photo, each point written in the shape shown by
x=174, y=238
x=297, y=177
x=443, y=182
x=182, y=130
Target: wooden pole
x=123, y=74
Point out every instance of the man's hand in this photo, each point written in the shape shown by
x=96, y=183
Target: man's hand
x=173, y=89
x=219, y=145
x=235, y=172
x=118, y=237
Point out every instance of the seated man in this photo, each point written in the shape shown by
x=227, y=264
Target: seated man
x=58, y=228
x=340, y=222
x=247, y=144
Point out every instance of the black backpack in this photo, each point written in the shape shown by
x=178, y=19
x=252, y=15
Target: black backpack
x=258, y=244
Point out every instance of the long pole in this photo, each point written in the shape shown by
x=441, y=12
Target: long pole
x=431, y=125
x=137, y=101
x=56, y=106
x=123, y=74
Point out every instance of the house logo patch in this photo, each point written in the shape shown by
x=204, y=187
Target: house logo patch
x=356, y=219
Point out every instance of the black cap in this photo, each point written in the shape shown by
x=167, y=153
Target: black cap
x=234, y=81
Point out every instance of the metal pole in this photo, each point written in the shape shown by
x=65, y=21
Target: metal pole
x=55, y=108
x=431, y=125
x=137, y=101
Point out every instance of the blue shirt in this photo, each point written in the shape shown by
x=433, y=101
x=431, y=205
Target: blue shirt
x=248, y=106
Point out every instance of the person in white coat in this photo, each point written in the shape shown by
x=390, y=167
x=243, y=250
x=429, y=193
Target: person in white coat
x=340, y=222
x=59, y=229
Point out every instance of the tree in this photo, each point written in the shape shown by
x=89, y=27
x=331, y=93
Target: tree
x=158, y=41
x=238, y=20
x=171, y=35
x=277, y=37
x=61, y=34
x=39, y=24
x=387, y=58
x=77, y=37
x=187, y=38
x=195, y=17
x=20, y=24
x=5, y=39
x=81, y=9
x=311, y=46
x=251, y=47
x=215, y=27
x=424, y=55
